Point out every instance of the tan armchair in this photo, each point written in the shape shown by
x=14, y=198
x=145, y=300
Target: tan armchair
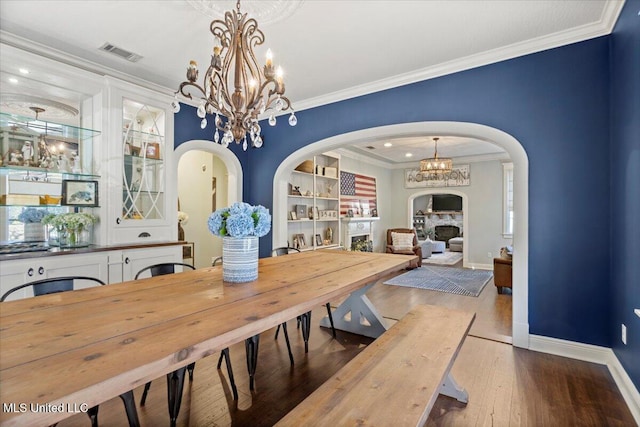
x=415, y=250
x=502, y=271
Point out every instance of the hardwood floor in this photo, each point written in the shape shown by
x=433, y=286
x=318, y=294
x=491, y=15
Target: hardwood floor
x=507, y=386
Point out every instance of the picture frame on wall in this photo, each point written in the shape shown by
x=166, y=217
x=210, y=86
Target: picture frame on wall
x=79, y=193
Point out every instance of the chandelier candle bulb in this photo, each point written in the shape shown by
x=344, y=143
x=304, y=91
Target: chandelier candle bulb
x=269, y=61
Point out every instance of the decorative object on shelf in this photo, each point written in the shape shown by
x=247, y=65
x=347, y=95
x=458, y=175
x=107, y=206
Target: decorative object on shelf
x=329, y=234
x=33, y=226
x=73, y=229
x=234, y=85
x=435, y=164
x=183, y=218
x=299, y=241
x=79, y=193
x=318, y=240
x=240, y=226
x=153, y=150
x=374, y=212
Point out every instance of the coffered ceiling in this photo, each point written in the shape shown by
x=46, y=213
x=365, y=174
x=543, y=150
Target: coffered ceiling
x=330, y=49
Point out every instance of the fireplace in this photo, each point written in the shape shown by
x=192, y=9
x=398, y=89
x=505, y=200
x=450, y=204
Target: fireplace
x=446, y=232
x=358, y=231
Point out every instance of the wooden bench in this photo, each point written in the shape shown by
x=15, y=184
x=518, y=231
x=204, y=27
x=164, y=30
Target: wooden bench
x=396, y=379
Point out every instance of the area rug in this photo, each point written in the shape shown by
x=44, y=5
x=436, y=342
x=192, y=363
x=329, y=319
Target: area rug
x=460, y=281
x=444, y=258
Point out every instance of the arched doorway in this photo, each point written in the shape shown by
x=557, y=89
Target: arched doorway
x=465, y=217
x=208, y=177
x=470, y=130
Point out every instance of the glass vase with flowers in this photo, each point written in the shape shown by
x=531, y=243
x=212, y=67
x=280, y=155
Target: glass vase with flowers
x=73, y=229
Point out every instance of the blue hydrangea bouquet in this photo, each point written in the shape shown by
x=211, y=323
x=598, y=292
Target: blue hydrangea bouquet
x=240, y=220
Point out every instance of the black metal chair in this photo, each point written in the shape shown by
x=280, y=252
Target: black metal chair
x=175, y=379
x=64, y=284
x=217, y=261
x=304, y=319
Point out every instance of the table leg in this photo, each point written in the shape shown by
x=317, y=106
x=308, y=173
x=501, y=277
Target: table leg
x=251, y=347
x=305, y=320
x=175, y=385
x=451, y=388
x=364, y=319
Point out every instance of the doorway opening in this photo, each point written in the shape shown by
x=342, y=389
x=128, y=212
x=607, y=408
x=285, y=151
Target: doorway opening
x=520, y=322
x=209, y=177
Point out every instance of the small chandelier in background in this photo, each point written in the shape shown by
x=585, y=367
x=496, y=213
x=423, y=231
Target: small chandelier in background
x=435, y=164
x=234, y=85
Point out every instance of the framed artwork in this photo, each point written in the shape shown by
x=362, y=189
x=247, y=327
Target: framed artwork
x=135, y=151
x=293, y=215
x=318, y=240
x=79, y=193
x=301, y=211
x=374, y=212
x=299, y=241
x=350, y=213
x=153, y=150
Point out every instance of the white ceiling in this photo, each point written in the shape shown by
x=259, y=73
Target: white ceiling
x=330, y=49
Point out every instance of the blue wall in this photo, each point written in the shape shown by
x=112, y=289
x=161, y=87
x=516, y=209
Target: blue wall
x=625, y=186
x=556, y=103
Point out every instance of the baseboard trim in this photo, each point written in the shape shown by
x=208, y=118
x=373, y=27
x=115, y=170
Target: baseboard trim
x=478, y=266
x=594, y=354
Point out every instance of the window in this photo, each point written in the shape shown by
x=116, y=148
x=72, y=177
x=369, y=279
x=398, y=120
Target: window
x=507, y=200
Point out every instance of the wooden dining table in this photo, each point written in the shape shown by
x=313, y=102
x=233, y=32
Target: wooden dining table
x=68, y=351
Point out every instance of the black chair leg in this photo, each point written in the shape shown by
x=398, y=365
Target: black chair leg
x=147, y=386
x=225, y=353
x=175, y=385
x=286, y=337
x=190, y=368
x=130, y=408
x=251, y=347
x=333, y=329
x=93, y=415
x=305, y=320
x=277, y=330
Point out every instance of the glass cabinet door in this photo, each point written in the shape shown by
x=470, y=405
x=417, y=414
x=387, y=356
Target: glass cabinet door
x=143, y=145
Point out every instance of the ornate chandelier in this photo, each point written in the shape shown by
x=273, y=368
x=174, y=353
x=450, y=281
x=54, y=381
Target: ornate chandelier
x=234, y=85
x=435, y=164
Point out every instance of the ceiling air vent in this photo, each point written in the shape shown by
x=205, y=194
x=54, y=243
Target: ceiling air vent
x=122, y=53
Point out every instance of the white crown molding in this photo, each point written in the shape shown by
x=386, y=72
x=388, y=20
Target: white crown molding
x=603, y=27
x=593, y=354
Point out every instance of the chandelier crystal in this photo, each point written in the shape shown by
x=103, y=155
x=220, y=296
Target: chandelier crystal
x=235, y=89
x=435, y=164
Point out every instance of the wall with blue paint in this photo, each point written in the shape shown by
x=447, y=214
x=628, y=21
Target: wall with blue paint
x=556, y=103
x=625, y=187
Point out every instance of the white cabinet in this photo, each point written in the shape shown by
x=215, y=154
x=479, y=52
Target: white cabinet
x=141, y=184
x=15, y=273
x=125, y=264
x=313, y=204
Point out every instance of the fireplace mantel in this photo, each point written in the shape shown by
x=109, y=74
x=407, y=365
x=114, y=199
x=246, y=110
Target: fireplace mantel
x=359, y=219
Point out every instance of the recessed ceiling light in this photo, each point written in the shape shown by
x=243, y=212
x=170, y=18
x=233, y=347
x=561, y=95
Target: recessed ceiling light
x=408, y=155
x=13, y=80
x=23, y=71
x=388, y=144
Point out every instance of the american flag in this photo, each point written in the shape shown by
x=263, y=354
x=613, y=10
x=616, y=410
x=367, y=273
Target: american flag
x=357, y=192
